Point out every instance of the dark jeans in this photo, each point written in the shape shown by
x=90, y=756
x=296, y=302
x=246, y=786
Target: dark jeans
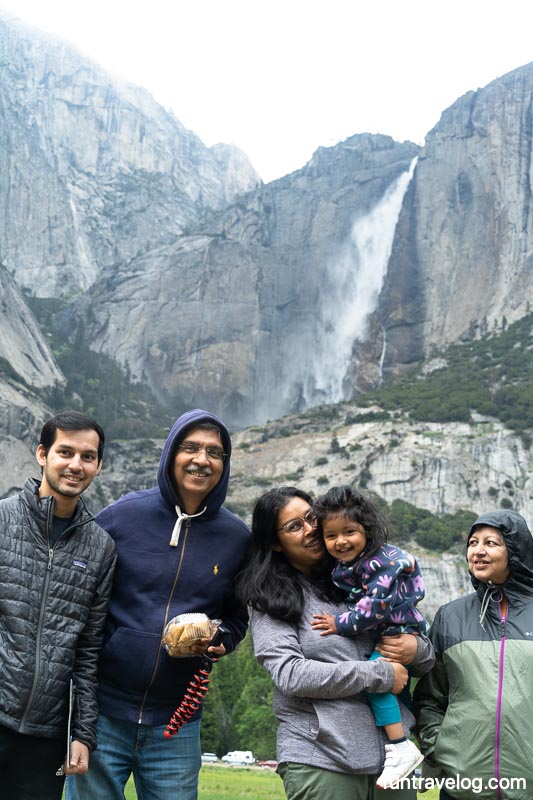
x=28, y=765
x=444, y=795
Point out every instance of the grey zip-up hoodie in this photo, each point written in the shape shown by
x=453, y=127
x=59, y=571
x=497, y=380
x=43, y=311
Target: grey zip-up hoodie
x=320, y=683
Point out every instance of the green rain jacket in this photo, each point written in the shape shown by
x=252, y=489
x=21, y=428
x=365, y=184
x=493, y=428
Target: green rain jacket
x=474, y=710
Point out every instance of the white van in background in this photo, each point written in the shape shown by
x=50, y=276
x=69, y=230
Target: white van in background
x=239, y=757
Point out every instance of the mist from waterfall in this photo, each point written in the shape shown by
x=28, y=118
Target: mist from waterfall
x=351, y=289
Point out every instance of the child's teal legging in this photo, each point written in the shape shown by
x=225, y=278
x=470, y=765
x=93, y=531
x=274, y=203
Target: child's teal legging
x=385, y=705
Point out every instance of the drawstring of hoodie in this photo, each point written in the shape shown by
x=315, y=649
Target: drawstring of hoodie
x=174, y=539
x=492, y=594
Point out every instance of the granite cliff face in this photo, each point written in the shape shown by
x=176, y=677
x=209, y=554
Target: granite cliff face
x=22, y=415
x=97, y=172
x=231, y=315
x=22, y=344
x=462, y=258
x=26, y=364
x=439, y=467
x=93, y=173
x=311, y=288
x=258, y=300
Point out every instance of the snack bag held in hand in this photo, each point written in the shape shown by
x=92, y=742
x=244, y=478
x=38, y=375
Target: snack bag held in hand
x=186, y=630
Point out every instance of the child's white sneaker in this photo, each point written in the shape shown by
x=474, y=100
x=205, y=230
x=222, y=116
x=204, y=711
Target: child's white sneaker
x=400, y=761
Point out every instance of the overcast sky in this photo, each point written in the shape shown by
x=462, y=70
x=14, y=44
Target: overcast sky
x=280, y=78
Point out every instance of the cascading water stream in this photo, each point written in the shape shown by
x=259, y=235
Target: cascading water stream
x=353, y=285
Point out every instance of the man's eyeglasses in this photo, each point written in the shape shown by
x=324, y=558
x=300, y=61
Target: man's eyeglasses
x=297, y=524
x=213, y=453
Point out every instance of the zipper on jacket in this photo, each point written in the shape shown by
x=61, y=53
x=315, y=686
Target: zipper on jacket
x=504, y=610
x=42, y=608
x=167, y=611
x=38, y=637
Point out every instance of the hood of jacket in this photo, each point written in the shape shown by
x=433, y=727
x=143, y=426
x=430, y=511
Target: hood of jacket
x=519, y=543
x=165, y=473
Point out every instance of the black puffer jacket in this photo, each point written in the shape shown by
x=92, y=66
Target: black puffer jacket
x=53, y=603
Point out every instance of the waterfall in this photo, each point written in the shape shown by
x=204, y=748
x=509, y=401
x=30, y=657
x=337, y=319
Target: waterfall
x=352, y=288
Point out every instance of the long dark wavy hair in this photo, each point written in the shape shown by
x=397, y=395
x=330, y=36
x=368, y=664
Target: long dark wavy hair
x=268, y=582
x=358, y=507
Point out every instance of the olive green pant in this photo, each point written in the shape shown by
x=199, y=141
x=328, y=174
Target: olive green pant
x=302, y=782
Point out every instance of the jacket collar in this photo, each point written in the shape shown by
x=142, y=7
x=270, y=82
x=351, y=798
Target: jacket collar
x=42, y=507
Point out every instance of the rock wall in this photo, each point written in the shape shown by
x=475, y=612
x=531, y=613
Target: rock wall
x=229, y=315
x=214, y=289
x=22, y=343
x=462, y=260
x=446, y=577
x=21, y=417
x=436, y=466
x=95, y=172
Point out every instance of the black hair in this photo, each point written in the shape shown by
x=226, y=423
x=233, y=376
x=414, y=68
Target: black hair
x=358, y=507
x=267, y=581
x=70, y=421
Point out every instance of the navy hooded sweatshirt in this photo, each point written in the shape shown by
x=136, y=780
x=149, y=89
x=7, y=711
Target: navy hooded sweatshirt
x=154, y=581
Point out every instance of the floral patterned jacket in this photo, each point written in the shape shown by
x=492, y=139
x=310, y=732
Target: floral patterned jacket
x=382, y=593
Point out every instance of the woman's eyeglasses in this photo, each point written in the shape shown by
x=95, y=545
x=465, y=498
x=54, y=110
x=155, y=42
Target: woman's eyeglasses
x=297, y=525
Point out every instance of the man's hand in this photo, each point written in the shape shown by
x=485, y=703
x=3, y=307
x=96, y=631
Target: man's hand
x=79, y=759
x=400, y=648
x=400, y=677
x=324, y=623
x=202, y=647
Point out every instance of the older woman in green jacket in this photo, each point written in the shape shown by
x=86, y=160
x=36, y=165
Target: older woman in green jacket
x=475, y=709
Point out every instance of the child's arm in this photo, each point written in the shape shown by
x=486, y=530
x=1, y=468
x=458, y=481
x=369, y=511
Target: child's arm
x=380, y=583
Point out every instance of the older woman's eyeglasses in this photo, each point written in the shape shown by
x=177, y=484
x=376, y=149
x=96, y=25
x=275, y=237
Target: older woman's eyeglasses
x=297, y=525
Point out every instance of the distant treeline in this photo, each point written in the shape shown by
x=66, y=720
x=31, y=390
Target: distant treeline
x=237, y=709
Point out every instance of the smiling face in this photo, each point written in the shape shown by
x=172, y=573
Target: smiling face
x=195, y=474
x=304, y=548
x=68, y=468
x=345, y=540
x=487, y=555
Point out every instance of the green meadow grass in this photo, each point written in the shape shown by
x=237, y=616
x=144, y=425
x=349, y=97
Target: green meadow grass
x=232, y=783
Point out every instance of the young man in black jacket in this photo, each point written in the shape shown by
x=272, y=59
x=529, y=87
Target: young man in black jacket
x=56, y=568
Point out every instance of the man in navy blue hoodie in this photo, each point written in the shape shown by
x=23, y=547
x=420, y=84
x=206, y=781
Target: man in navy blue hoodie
x=178, y=551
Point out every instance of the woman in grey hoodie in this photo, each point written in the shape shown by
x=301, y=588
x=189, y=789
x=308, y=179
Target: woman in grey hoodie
x=327, y=743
